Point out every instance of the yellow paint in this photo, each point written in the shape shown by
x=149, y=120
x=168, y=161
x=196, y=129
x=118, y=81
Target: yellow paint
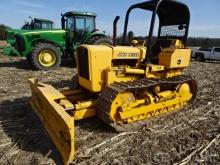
x=100, y=64
x=99, y=59
x=134, y=42
x=156, y=68
x=167, y=99
x=166, y=73
x=84, y=113
x=106, y=65
x=124, y=98
x=134, y=71
x=58, y=124
x=175, y=58
x=50, y=105
x=125, y=108
x=179, y=44
x=83, y=105
x=104, y=70
x=117, y=76
x=126, y=52
x=47, y=58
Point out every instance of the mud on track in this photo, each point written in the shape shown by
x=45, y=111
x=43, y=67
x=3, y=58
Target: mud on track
x=190, y=135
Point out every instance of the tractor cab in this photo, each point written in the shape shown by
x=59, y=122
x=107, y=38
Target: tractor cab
x=173, y=18
x=79, y=23
x=37, y=23
x=41, y=24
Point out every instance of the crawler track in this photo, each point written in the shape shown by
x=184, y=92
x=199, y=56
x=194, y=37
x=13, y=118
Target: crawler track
x=107, y=97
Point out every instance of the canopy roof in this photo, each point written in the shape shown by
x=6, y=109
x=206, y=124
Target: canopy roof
x=71, y=13
x=42, y=20
x=170, y=12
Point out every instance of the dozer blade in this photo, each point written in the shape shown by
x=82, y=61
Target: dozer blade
x=58, y=123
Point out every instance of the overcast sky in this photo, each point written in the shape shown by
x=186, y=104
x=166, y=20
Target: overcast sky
x=205, y=21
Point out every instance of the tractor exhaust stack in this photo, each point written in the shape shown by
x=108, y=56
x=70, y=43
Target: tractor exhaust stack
x=115, y=29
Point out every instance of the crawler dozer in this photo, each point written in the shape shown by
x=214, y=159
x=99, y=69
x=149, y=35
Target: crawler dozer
x=123, y=85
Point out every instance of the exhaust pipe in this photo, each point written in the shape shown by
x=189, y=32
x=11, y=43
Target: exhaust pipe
x=62, y=21
x=115, y=29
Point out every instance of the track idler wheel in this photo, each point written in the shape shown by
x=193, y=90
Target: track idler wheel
x=122, y=100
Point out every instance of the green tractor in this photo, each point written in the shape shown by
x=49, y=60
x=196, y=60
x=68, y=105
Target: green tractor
x=38, y=23
x=45, y=48
x=34, y=24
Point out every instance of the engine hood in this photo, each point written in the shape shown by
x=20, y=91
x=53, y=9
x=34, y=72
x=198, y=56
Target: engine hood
x=16, y=30
x=40, y=31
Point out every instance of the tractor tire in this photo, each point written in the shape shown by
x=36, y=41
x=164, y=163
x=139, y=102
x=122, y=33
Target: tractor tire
x=28, y=58
x=199, y=57
x=99, y=40
x=74, y=82
x=45, y=56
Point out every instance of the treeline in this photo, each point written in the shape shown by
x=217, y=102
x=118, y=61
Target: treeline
x=203, y=42
x=191, y=42
x=2, y=31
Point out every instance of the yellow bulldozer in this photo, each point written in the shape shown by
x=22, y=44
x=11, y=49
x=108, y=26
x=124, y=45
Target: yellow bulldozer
x=122, y=85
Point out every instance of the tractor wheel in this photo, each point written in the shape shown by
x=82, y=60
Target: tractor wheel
x=199, y=57
x=45, y=57
x=74, y=82
x=29, y=58
x=99, y=40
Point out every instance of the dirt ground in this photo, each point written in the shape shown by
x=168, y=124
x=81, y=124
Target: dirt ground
x=191, y=135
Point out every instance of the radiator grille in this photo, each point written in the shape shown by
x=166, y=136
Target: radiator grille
x=83, y=62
